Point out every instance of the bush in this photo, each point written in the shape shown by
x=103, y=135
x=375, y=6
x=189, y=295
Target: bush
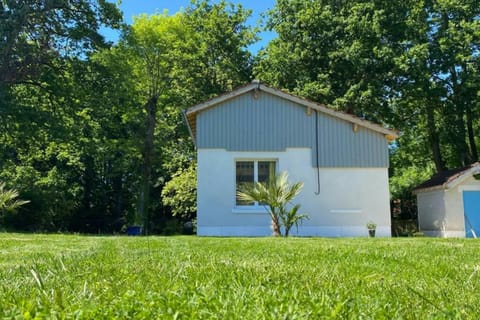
x=180, y=193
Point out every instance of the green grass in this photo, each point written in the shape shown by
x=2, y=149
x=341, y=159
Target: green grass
x=63, y=276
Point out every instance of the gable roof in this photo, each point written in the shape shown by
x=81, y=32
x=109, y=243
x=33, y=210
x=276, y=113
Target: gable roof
x=448, y=179
x=191, y=113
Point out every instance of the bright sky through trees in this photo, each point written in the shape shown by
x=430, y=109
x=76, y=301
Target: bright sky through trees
x=132, y=8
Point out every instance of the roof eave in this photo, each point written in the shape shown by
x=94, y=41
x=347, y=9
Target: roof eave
x=190, y=131
x=429, y=189
x=453, y=183
x=465, y=175
x=221, y=98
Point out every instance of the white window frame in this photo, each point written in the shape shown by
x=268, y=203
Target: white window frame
x=255, y=208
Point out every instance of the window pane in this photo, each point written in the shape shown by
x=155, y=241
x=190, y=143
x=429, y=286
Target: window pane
x=266, y=170
x=244, y=175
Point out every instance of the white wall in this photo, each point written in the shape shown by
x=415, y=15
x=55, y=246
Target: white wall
x=455, y=212
x=431, y=211
x=441, y=212
x=348, y=199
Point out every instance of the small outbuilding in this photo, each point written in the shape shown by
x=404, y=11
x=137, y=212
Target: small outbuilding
x=449, y=203
x=255, y=132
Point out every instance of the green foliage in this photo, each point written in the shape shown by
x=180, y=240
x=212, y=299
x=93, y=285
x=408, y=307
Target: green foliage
x=275, y=194
x=408, y=168
x=74, y=122
x=58, y=276
x=172, y=227
x=177, y=61
x=180, y=193
x=337, y=53
x=34, y=33
x=8, y=199
x=371, y=225
x=153, y=45
x=220, y=40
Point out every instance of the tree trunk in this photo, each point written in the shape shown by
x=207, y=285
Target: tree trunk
x=460, y=144
x=88, y=183
x=117, y=199
x=144, y=196
x=276, y=228
x=470, y=132
x=434, y=139
x=275, y=223
x=287, y=231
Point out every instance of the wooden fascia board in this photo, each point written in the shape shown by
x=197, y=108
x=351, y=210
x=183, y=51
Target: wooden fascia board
x=217, y=100
x=429, y=189
x=190, y=131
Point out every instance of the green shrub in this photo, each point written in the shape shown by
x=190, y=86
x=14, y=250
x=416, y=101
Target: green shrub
x=180, y=193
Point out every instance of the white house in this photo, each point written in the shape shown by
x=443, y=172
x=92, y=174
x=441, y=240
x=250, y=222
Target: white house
x=256, y=131
x=449, y=203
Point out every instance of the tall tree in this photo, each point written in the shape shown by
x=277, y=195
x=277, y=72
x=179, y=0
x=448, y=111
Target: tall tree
x=155, y=44
x=220, y=38
x=440, y=52
x=34, y=32
x=88, y=133
x=177, y=61
x=335, y=52
x=397, y=62
x=42, y=43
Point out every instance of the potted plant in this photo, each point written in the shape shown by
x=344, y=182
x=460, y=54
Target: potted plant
x=371, y=226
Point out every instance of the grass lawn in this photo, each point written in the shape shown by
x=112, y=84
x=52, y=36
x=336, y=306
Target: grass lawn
x=84, y=277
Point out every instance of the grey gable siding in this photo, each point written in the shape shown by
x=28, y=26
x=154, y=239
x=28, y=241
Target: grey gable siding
x=270, y=123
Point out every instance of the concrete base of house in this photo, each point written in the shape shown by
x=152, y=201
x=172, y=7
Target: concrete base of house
x=307, y=231
x=444, y=233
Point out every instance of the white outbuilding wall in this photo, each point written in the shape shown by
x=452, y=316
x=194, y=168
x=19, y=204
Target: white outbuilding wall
x=348, y=198
x=441, y=211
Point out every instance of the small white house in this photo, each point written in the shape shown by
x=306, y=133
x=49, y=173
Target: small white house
x=449, y=203
x=255, y=132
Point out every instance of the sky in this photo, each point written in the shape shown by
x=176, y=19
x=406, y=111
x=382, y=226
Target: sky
x=132, y=8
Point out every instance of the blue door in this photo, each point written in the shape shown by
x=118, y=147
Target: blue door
x=471, y=205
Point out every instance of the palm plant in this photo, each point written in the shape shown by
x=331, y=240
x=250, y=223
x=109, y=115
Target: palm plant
x=8, y=199
x=290, y=218
x=275, y=195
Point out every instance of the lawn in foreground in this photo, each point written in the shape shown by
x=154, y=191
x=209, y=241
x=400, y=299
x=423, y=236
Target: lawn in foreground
x=66, y=276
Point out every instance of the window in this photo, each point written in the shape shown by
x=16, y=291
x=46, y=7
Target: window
x=248, y=172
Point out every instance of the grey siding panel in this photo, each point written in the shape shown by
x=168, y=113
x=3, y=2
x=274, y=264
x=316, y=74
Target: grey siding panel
x=247, y=124
x=270, y=123
x=340, y=146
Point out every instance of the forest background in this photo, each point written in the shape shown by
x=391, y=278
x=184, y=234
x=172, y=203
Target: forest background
x=92, y=133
